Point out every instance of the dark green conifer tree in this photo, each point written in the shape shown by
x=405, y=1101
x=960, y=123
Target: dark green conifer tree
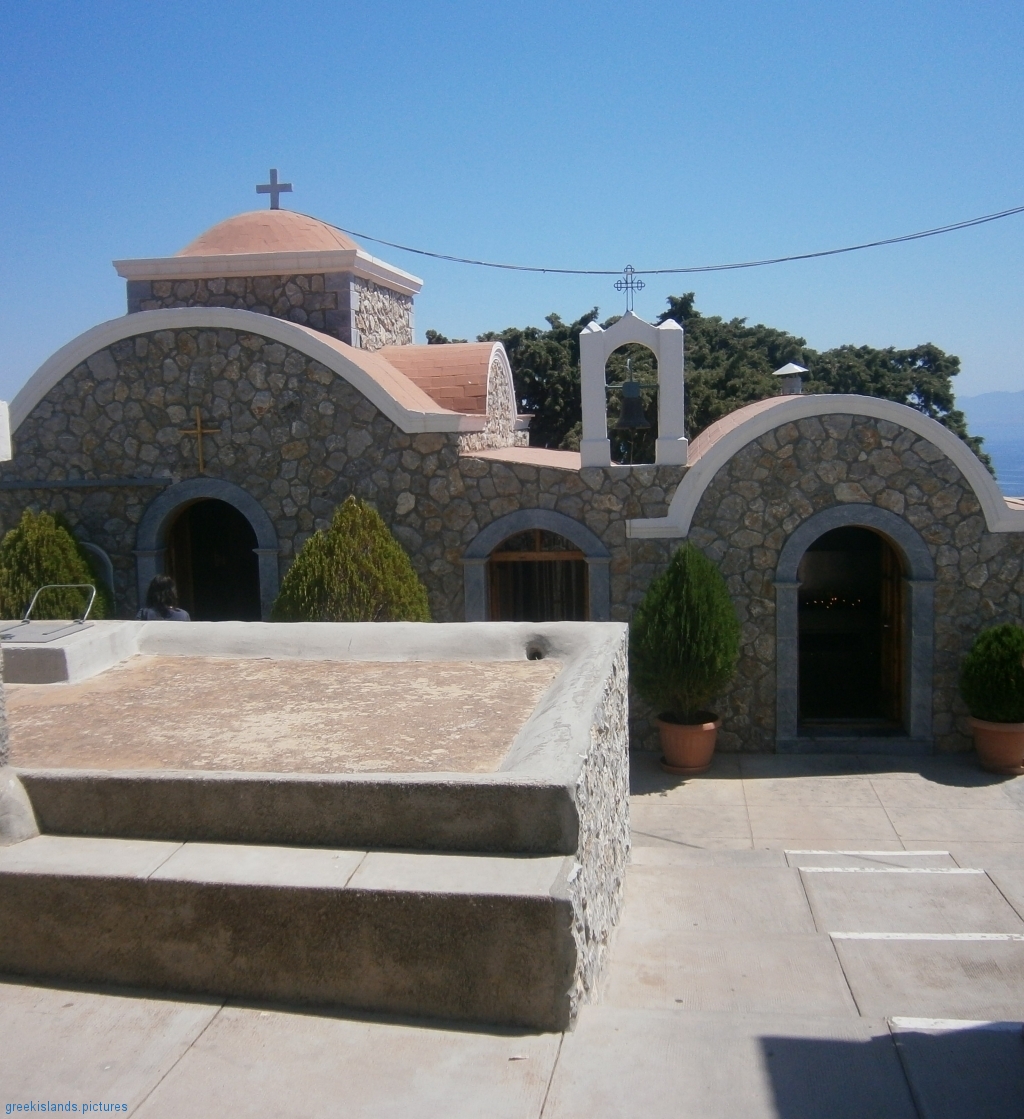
x=355, y=571
x=37, y=551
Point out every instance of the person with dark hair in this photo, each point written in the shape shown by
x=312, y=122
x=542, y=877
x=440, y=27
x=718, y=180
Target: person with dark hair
x=162, y=602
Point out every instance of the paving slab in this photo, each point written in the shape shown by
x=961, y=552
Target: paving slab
x=1007, y=872
x=674, y=855
x=820, y=826
x=689, y=823
x=916, y=791
x=265, y=1063
x=727, y=972
x=963, y=1068
x=695, y=791
x=675, y=1065
x=799, y=765
x=716, y=899
x=947, y=825
x=64, y=1044
x=823, y=792
x=935, y=978
x=71, y=855
x=900, y=901
x=848, y=857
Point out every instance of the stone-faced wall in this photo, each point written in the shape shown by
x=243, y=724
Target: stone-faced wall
x=299, y=439
x=776, y=482
x=382, y=317
x=354, y=310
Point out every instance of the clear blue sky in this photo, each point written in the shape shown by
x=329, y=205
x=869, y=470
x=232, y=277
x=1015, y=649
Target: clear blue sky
x=581, y=135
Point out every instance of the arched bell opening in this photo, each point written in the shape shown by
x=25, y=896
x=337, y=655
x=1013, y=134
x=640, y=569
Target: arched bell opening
x=631, y=379
x=852, y=648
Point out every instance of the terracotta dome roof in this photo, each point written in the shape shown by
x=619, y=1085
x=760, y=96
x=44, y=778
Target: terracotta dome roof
x=268, y=231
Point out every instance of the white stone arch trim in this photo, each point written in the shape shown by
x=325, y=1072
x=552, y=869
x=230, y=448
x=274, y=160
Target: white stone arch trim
x=403, y=402
x=714, y=447
x=596, y=345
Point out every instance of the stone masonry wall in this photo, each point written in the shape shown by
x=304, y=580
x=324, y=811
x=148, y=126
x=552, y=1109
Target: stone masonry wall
x=382, y=317
x=351, y=309
x=775, y=483
x=299, y=439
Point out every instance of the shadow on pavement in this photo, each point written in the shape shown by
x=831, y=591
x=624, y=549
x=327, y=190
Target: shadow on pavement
x=941, y=1074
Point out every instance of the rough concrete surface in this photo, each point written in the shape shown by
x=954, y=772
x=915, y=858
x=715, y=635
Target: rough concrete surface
x=279, y=716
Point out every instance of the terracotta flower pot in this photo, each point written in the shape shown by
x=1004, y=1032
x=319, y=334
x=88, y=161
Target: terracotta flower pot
x=1000, y=746
x=687, y=749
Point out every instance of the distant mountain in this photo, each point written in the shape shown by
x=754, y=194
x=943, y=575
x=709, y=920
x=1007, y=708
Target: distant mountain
x=999, y=418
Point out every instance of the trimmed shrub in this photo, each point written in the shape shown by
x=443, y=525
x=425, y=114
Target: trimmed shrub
x=38, y=551
x=356, y=571
x=685, y=638
x=992, y=676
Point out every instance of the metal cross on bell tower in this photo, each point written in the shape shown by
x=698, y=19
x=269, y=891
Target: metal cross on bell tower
x=629, y=284
x=274, y=189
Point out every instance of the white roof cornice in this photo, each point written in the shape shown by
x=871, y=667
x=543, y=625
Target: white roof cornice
x=402, y=401
x=309, y=262
x=719, y=443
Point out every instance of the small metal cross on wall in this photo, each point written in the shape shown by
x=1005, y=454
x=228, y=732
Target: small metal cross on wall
x=199, y=431
x=629, y=284
x=274, y=189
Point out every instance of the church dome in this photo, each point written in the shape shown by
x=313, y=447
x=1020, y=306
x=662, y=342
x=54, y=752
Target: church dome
x=268, y=231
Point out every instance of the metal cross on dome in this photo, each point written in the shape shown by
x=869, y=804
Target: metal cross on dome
x=629, y=284
x=274, y=189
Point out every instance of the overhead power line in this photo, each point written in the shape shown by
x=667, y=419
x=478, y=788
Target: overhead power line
x=696, y=268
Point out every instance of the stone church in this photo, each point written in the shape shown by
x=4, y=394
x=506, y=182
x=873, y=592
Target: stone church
x=268, y=370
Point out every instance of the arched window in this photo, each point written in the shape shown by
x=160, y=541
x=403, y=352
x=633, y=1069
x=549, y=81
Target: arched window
x=538, y=576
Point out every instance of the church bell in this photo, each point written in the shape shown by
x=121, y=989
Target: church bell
x=632, y=416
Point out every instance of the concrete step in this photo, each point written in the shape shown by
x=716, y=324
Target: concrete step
x=473, y=938
x=504, y=813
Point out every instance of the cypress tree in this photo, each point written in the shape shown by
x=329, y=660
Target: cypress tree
x=685, y=637
x=38, y=551
x=355, y=571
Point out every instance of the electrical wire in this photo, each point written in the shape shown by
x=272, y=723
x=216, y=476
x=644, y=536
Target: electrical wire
x=970, y=223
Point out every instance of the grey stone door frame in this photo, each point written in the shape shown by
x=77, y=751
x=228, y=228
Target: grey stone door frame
x=478, y=553
x=151, y=538
x=918, y=621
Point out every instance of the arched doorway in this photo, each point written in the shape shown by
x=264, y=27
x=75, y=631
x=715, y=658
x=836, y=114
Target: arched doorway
x=162, y=515
x=211, y=557
x=909, y=580
x=538, y=576
x=850, y=624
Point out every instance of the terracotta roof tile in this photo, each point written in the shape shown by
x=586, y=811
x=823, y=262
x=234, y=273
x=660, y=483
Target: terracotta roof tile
x=455, y=375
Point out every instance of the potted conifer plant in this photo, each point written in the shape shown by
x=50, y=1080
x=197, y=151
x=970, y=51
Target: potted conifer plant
x=684, y=644
x=992, y=686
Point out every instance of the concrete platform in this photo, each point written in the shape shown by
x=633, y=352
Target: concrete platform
x=503, y=742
